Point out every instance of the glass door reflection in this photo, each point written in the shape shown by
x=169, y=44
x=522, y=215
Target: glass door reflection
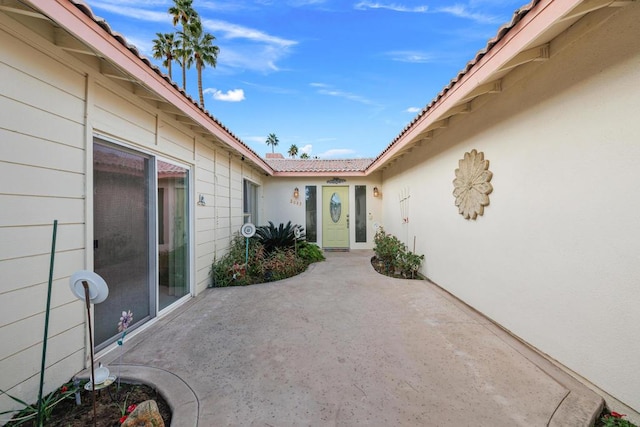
x=173, y=233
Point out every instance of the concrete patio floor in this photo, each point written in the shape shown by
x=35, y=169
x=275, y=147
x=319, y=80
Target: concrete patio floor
x=341, y=345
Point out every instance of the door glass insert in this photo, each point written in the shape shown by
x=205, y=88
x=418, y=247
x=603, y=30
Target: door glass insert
x=361, y=213
x=311, y=217
x=173, y=233
x=335, y=207
x=121, y=237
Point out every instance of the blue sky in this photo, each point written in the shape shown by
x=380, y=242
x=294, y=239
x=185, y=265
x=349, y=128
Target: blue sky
x=340, y=79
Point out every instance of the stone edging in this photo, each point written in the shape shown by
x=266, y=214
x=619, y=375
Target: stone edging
x=180, y=397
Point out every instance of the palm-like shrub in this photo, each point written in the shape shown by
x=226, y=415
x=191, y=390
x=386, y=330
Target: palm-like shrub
x=281, y=237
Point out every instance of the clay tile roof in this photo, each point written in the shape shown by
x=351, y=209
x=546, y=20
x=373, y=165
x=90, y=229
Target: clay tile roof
x=319, y=165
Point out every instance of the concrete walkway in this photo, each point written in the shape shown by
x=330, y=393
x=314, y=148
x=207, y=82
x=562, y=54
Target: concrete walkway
x=341, y=345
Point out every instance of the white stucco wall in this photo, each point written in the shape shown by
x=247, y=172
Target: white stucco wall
x=280, y=205
x=46, y=174
x=556, y=257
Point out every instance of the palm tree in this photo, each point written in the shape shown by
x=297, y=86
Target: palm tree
x=293, y=151
x=272, y=140
x=304, y=156
x=163, y=48
x=204, y=53
x=184, y=13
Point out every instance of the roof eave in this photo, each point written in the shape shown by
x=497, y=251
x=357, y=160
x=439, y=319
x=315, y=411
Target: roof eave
x=519, y=38
x=70, y=17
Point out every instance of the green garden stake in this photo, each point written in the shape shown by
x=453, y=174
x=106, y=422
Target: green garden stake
x=46, y=322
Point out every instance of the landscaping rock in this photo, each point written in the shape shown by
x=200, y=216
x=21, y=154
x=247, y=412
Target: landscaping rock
x=146, y=414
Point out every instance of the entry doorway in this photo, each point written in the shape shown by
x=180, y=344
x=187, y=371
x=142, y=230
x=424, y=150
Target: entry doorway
x=335, y=217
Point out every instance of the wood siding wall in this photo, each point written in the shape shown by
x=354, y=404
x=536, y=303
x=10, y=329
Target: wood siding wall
x=46, y=174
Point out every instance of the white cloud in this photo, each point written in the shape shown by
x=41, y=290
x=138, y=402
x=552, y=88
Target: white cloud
x=412, y=56
x=143, y=45
x=123, y=8
x=458, y=10
x=413, y=110
x=462, y=11
x=220, y=6
x=253, y=49
x=306, y=149
x=339, y=153
x=325, y=89
x=363, y=5
x=232, y=95
x=234, y=31
x=345, y=95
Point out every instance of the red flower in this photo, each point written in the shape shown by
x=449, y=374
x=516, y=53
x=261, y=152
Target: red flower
x=123, y=419
x=131, y=408
x=64, y=389
x=617, y=415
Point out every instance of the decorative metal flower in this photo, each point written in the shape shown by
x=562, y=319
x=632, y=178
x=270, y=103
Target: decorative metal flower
x=125, y=320
x=472, y=187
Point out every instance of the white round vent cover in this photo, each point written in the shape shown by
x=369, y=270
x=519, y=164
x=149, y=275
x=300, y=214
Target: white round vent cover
x=248, y=230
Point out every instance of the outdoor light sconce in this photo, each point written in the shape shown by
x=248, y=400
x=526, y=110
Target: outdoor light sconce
x=376, y=192
x=296, y=193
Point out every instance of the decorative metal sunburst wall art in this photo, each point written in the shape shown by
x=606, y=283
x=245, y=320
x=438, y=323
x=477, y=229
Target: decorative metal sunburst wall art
x=472, y=186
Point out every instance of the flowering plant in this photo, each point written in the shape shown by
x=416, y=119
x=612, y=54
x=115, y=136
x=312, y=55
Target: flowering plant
x=125, y=410
x=614, y=419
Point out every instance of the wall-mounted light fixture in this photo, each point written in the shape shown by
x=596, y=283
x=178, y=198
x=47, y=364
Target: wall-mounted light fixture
x=376, y=192
x=296, y=193
x=201, y=201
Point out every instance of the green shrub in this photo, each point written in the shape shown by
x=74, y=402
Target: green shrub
x=310, y=252
x=387, y=247
x=395, y=256
x=409, y=264
x=280, y=264
x=615, y=419
x=231, y=269
x=264, y=265
x=281, y=237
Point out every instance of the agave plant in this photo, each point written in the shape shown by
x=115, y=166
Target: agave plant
x=281, y=237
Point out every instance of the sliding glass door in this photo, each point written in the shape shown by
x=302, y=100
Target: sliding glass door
x=122, y=229
x=141, y=235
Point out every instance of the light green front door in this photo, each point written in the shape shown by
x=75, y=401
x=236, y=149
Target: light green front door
x=335, y=217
